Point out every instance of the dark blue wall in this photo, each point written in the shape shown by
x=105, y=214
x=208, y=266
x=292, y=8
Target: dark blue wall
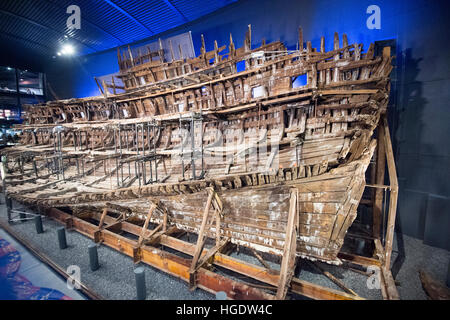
x=419, y=118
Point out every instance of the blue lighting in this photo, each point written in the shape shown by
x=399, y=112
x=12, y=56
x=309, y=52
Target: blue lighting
x=299, y=81
x=402, y=20
x=240, y=66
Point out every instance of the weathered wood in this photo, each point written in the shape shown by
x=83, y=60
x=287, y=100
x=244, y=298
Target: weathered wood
x=394, y=194
x=147, y=221
x=184, y=126
x=387, y=282
x=379, y=179
x=289, y=260
x=200, y=241
x=434, y=289
x=102, y=219
x=262, y=261
x=333, y=278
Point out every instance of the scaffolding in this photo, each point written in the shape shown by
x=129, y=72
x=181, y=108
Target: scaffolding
x=189, y=123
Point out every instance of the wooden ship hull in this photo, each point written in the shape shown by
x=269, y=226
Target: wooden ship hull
x=267, y=156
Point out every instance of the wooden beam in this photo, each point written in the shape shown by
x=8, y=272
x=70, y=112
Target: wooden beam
x=152, y=233
x=102, y=218
x=393, y=196
x=154, y=238
x=210, y=253
x=290, y=242
x=358, y=260
x=387, y=282
x=200, y=240
x=262, y=261
x=379, y=179
x=338, y=282
x=147, y=221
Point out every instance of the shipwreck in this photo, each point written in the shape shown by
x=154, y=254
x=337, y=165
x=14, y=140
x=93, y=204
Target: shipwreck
x=263, y=147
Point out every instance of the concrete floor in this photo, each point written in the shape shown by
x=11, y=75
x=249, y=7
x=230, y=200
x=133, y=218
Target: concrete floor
x=115, y=278
x=410, y=257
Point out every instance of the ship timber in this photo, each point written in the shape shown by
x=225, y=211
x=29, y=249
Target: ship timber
x=198, y=132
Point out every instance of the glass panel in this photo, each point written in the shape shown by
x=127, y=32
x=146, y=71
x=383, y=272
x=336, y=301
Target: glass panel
x=8, y=79
x=30, y=82
x=8, y=108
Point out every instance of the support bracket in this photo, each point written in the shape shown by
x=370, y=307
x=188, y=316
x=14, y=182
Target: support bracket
x=198, y=260
x=152, y=238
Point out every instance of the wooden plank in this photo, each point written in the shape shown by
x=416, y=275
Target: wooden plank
x=359, y=260
x=200, y=240
x=393, y=197
x=379, y=179
x=210, y=253
x=262, y=261
x=289, y=250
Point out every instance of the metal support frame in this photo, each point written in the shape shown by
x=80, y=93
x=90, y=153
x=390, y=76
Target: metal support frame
x=195, y=150
x=143, y=142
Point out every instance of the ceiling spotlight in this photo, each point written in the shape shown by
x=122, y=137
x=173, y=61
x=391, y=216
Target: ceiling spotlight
x=8, y=68
x=59, y=53
x=67, y=49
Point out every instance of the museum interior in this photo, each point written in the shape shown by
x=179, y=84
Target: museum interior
x=224, y=150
